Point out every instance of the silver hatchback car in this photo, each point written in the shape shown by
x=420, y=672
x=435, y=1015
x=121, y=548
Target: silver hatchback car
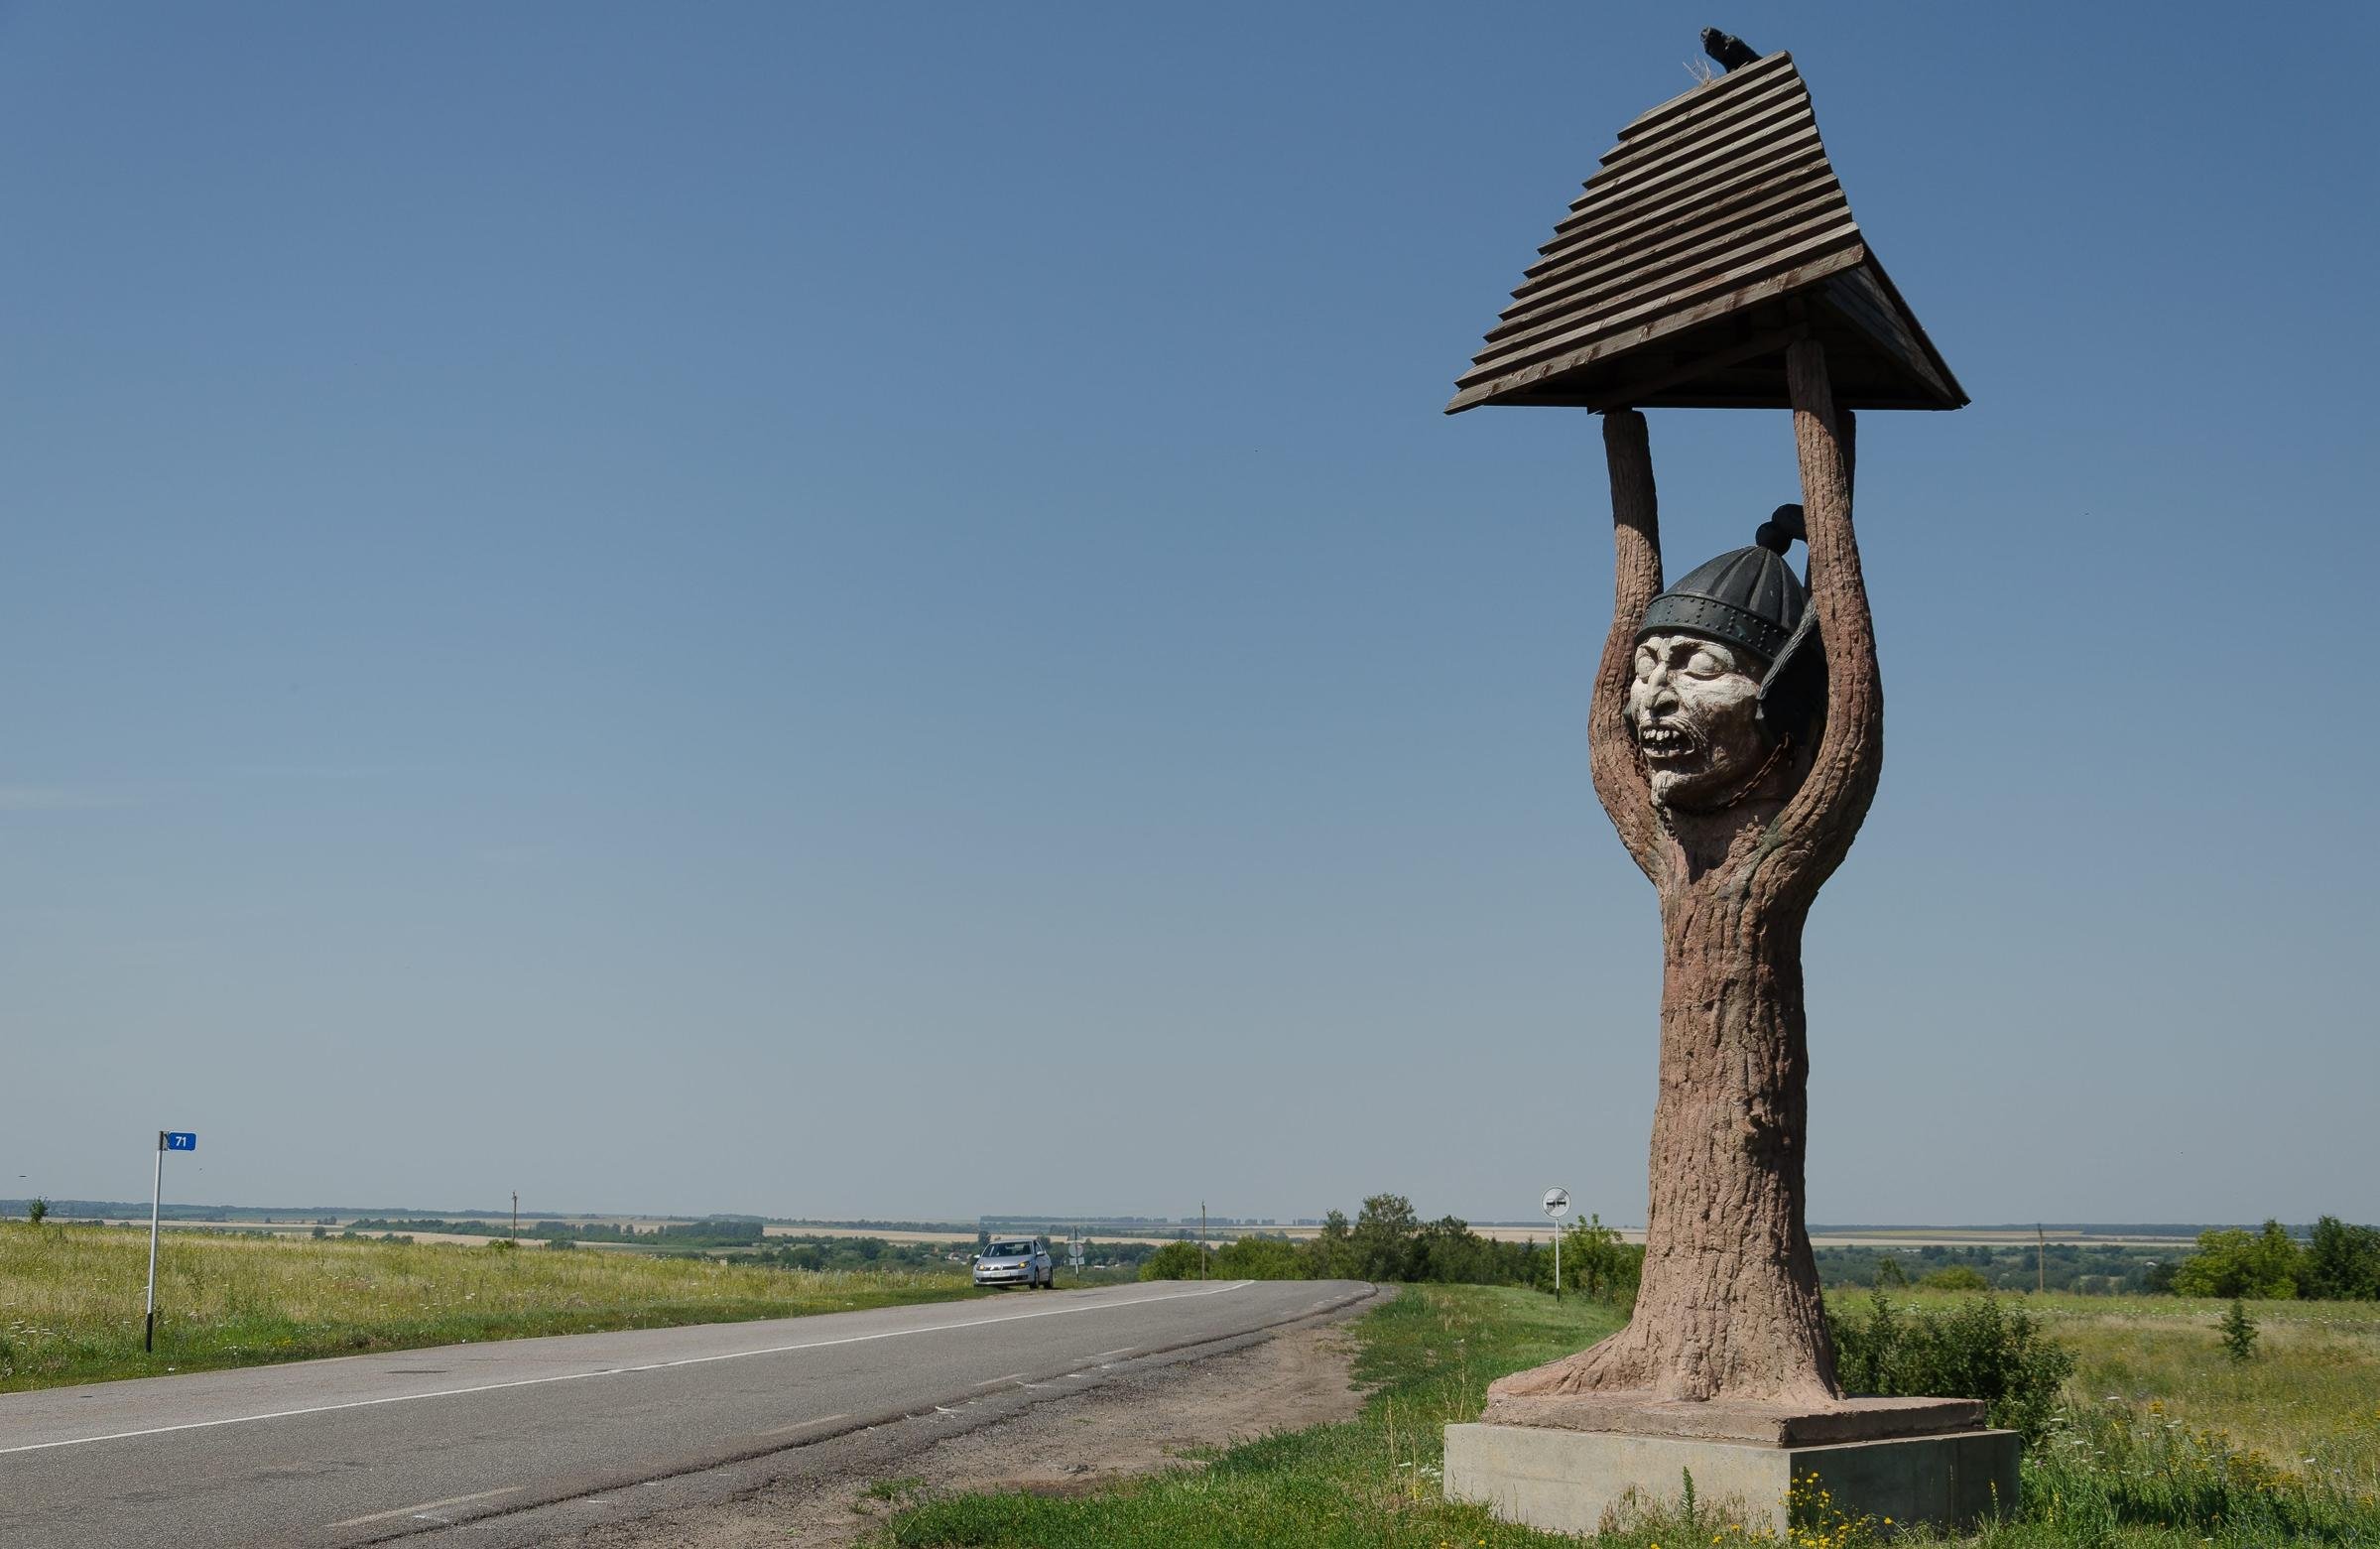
x=1022, y=1261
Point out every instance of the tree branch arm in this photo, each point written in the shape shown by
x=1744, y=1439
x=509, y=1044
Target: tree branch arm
x=1826, y=813
x=1619, y=774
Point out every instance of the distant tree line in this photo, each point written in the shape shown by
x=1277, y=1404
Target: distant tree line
x=2331, y=1261
x=840, y=1252
x=1388, y=1240
x=714, y=1233
x=2337, y=1263
x=2086, y=1268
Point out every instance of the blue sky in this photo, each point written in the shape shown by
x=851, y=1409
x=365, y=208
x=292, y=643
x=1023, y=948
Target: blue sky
x=852, y=610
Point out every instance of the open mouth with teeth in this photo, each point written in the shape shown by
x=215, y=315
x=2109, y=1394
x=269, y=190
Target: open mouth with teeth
x=1666, y=743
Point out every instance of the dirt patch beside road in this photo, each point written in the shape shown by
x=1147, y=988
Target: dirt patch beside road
x=1135, y=1423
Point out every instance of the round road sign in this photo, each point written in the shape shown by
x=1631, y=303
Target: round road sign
x=1558, y=1202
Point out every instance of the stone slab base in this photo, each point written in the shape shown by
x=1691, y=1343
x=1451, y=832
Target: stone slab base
x=1771, y=1422
x=1577, y=1482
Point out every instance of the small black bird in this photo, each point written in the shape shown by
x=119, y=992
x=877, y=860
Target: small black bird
x=1730, y=51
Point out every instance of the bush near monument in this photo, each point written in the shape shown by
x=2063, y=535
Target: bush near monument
x=1973, y=1348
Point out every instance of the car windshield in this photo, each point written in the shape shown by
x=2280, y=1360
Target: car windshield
x=1011, y=1249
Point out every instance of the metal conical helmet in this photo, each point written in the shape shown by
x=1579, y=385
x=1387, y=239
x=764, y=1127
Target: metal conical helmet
x=1746, y=596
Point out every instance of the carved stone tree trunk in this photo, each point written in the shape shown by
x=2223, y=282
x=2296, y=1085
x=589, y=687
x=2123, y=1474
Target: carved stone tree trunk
x=1729, y=1305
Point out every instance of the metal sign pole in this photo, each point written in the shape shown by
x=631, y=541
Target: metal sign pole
x=157, y=1193
x=1557, y=1205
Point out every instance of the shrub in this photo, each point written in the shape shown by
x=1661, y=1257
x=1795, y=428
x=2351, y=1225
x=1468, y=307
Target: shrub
x=1956, y=1277
x=1174, y=1262
x=1258, y=1258
x=1596, y=1261
x=1977, y=1350
x=2240, y=1331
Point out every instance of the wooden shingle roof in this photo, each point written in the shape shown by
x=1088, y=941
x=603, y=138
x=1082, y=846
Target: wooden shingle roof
x=1714, y=231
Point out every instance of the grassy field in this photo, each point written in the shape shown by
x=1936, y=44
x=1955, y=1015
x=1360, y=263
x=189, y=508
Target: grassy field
x=2310, y=1398
x=2163, y=1441
x=71, y=1298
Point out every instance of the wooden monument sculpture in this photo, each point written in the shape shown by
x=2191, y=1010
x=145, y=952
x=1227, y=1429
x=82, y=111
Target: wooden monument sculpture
x=1736, y=731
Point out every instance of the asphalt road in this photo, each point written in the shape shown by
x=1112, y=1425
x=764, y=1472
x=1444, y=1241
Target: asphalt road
x=368, y=1448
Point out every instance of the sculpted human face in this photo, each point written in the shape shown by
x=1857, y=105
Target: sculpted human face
x=1693, y=709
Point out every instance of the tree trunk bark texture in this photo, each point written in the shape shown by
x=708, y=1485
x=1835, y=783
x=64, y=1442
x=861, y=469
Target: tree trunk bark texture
x=1729, y=1306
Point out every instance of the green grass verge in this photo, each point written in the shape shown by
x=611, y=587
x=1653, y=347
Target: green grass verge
x=2164, y=1444
x=1427, y=1358
x=71, y=1298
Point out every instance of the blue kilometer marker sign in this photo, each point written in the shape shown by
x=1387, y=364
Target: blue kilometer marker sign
x=166, y=1140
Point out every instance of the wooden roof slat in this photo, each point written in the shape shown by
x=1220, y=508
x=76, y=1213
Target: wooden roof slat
x=1685, y=105
x=1745, y=252
x=1759, y=208
x=1741, y=109
x=1800, y=156
x=1611, y=347
x=1778, y=120
x=1650, y=306
x=1787, y=142
x=1668, y=275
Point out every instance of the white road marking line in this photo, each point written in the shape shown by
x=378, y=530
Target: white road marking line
x=430, y=1505
x=996, y=1381
x=620, y=1371
x=1126, y=1351
x=804, y=1424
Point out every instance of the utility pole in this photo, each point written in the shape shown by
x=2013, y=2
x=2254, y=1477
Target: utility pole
x=1201, y=1239
x=2041, y=1260
x=516, y=1218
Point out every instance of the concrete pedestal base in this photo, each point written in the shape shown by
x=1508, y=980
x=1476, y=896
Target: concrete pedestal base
x=1579, y=1481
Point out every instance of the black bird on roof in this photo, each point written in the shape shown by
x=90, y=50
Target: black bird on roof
x=1730, y=51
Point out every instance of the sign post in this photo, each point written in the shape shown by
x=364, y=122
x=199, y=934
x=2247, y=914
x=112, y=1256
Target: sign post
x=166, y=1140
x=1557, y=1205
